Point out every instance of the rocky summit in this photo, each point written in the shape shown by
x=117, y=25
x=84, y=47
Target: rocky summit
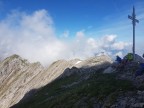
x=96, y=82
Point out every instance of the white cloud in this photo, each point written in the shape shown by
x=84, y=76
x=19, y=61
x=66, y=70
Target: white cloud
x=120, y=54
x=120, y=45
x=65, y=34
x=32, y=36
x=109, y=38
x=108, y=44
x=92, y=42
x=80, y=34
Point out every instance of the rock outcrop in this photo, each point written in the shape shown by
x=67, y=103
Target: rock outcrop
x=18, y=76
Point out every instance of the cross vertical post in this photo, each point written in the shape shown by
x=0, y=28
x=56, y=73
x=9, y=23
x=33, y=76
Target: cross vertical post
x=134, y=21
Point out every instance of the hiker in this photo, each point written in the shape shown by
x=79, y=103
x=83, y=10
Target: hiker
x=129, y=57
x=118, y=59
x=120, y=65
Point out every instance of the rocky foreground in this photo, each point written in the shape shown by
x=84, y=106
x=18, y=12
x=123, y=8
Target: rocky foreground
x=19, y=78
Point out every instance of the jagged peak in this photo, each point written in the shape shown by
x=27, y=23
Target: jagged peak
x=14, y=58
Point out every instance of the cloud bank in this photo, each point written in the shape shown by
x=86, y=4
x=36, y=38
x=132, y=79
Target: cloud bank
x=33, y=37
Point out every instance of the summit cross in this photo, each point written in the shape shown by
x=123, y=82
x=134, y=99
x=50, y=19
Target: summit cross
x=134, y=21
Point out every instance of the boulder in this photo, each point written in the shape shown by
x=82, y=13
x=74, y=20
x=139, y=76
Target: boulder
x=108, y=70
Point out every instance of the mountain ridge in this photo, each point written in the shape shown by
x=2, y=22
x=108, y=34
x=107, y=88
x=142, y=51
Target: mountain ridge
x=18, y=76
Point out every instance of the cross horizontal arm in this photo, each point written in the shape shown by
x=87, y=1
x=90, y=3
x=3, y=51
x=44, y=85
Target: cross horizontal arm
x=130, y=17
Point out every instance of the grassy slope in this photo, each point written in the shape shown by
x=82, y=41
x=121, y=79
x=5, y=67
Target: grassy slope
x=97, y=87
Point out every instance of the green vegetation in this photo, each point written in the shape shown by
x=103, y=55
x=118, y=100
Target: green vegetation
x=86, y=92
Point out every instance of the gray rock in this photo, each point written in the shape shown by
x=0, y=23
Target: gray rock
x=108, y=70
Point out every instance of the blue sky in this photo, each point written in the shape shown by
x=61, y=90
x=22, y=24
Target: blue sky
x=81, y=27
x=74, y=15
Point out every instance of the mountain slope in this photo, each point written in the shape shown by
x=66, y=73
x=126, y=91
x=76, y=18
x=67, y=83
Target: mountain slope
x=18, y=76
x=90, y=88
x=77, y=91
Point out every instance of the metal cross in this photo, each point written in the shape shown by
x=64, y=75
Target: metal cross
x=134, y=21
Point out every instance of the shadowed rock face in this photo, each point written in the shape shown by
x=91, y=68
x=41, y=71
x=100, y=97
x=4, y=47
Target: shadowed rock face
x=18, y=76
